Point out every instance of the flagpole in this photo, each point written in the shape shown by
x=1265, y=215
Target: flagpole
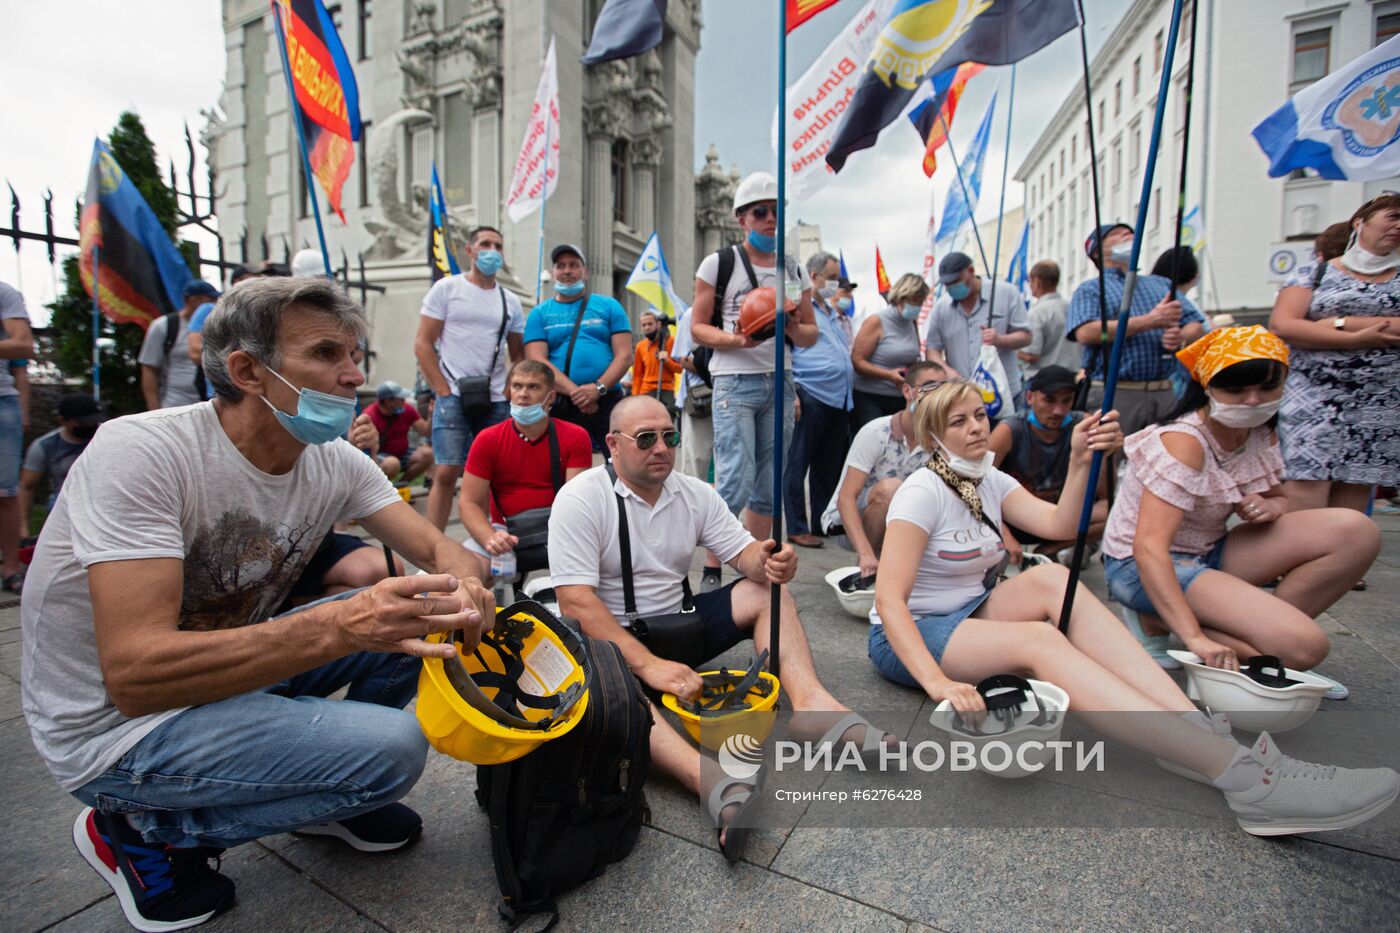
x=295, y=112
x=96, y=324
x=1124, y=310
x=1001, y=205
x=967, y=199
x=780, y=296
x=544, y=191
x=1185, y=142
x=1098, y=224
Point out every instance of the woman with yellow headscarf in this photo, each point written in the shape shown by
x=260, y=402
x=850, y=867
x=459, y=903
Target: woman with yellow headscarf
x=1168, y=555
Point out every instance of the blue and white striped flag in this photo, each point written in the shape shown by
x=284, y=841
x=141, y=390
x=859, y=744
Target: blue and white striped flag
x=959, y=209
x=1344, y=126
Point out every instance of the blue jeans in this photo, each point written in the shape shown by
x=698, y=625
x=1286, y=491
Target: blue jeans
x=1125, y=585
x=11, y=445
x=815, y=458
x=453, y=430
x=936, y=631
x=743, y=420
x=273, y=760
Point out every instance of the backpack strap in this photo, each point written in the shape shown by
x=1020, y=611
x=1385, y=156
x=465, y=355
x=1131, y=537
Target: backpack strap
x=722, y=277
x=1319, y=272
x=573, y=338
x=748, y=265
x=172, y=332
x=500, y=334
x=556, y=465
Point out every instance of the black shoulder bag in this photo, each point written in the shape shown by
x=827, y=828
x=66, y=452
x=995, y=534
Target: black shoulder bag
x=675, y=636
x=475, y=391
x=531, y=527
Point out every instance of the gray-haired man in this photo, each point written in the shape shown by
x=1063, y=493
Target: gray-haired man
x=150, y=647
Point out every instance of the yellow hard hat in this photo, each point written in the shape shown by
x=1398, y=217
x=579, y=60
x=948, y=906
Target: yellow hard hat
x=731, y=702
x=526, y=683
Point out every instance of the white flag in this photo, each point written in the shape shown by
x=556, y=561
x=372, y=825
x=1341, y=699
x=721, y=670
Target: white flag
x=817, y=101
x=537, y=167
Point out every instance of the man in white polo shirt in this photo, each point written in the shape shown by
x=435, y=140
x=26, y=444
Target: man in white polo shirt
x=669, y=514
x=470, y=331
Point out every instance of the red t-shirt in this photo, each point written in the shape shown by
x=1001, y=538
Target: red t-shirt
x=518, y=470
x=393, y=432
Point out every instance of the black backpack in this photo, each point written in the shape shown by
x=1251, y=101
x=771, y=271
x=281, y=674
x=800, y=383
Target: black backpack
x=561, y=814
x=172, y=333
x=700, y=356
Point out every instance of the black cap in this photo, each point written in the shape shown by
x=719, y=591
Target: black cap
x=847, y=284
x=952, y=266
x=1091, y=245
x=1051, y=379
x=200, y=288
x=80, y=408
x=567, y=249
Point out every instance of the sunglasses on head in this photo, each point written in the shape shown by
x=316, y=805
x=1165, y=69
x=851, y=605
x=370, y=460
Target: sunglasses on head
x=646, y=440
x=762, y=212
x=927, y=387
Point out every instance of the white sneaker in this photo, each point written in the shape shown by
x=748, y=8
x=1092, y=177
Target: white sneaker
x=1217, y=723
x=1294, y=796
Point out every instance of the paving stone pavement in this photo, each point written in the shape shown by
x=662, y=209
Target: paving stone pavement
x=1194, y=870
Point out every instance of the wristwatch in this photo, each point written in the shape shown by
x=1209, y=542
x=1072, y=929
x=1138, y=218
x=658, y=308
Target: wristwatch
x=1340, y=323
x=602, y=389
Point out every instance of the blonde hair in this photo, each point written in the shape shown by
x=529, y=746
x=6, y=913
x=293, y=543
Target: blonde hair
x=933, y=411
x=908, y=287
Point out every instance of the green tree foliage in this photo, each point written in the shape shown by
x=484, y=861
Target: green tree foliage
x=71, y=324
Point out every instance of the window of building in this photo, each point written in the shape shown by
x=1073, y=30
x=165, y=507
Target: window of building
x=1073, y=150
x=362, y=157
x=1062, y=163
x=1137, y=76
x=1387, y=27
x=419, y=163
x=1117, y=164
x=1135, y=149
x=1052, y=174
x=366, y=12
x=621, y=180
x=1156, y=208
x=1118, y=97
x=1312, y=55
x=1157, y=46
x=1103, y=116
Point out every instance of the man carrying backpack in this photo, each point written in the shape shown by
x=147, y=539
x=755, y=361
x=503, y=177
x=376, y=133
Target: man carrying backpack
x=168, y=376
x=742, y=367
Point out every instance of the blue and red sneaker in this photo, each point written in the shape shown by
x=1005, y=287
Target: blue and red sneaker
x=159, y=888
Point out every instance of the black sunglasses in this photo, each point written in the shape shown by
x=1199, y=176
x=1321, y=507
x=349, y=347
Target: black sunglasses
x=762, y=212
x=646, y=440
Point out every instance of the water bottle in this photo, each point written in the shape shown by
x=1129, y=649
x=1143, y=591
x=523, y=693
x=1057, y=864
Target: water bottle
x=503, y=565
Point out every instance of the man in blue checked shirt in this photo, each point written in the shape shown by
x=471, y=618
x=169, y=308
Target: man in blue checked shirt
x=1157, y=327
x=824, y=375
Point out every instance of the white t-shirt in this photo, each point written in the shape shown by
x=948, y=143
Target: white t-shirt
x=11, y=306
x=176, y=368
x=168, y=483
x=757, y=359
x=877, y=453
x=471, y=319
x=960, y=548
x=584, y=546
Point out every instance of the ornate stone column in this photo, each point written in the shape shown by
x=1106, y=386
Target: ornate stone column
x=646, y=160
x=604, y=124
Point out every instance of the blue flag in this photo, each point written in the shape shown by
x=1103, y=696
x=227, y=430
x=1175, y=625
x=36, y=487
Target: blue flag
x=959, y=209
x=1017, y=273
x=926, y=37
x=845, y=276
x=626, y=28
x=441, y=260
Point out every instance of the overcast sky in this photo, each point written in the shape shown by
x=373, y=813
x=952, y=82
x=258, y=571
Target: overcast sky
x=165, y=60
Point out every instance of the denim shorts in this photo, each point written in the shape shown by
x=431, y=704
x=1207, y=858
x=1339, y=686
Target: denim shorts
x=936, y=630
x=1125, y=585
x=742, y=407
x=453, y=430
x=11, y=445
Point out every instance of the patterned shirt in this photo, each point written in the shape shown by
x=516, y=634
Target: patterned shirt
x=1144, y=358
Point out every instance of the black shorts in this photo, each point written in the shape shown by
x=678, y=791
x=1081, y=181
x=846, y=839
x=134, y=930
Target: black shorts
x=712, y=632
x=311, y=583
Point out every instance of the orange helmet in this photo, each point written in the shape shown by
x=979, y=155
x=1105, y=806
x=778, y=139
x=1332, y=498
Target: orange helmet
x=758, y=314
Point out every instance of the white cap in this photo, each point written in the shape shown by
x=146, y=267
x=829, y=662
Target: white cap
x=307, y=264
x=757, y=186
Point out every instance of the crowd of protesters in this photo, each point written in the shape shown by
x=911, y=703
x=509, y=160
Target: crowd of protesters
x=1247, y=459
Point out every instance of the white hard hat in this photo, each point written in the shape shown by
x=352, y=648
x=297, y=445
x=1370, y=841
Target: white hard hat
x=1263, y=696
x=756, y=186
x=1019, y=711
x=855, y=592
x=307, y=264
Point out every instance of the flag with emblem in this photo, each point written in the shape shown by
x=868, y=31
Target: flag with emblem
x=799, y=11
x=1344, y=126
x=882, y=278
x=327, y=98
x=652, y=280
x=441, y=260
x=140, y=272
x=933, y=117
x=1193, y=229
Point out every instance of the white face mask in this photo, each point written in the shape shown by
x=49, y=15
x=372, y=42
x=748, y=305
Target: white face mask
x=1359, y=259
x=966, y=468
x=1243, y=416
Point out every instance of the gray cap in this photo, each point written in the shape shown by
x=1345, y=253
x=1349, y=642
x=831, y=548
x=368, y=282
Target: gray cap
x=951, y=267
x=565, y=249
x=390, y=389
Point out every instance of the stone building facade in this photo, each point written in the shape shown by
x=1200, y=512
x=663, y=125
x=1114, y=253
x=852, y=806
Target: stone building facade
x=452, y=82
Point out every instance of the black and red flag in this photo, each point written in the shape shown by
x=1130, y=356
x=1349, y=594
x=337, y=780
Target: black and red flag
x=328, y=101
x=140, y=272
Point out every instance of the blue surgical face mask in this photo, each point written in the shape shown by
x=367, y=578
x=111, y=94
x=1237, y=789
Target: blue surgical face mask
x=845, y=304
x=528, y=414
x=762, y=241
x=1035, y=422
x=910, y=311
x=959, y=290
x=488, y=261
x=1121, y=252
x=570, y=289
x=827, y=292
x=320, y=417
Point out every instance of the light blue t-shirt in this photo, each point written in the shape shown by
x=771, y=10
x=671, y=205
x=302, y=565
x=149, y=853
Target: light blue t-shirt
x=553, y=322
x=201, y=314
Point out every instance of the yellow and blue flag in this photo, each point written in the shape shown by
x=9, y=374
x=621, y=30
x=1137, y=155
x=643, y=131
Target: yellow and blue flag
x=1193, y=229
x=652, y=280
x=441, y=260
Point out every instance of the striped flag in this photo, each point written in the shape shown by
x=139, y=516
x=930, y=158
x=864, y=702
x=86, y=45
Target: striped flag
x=799, y=11
x=441, y=259
x=882, y=278
x=934, y=117
x=960, y=208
